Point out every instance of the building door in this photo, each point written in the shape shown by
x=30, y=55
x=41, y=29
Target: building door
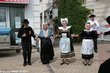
x=16, y=17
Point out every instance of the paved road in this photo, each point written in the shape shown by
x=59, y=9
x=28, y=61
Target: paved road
x=11, y=62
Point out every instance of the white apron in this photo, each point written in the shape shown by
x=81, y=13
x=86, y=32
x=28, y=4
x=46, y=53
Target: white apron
x=64, y=45
x=87, y=46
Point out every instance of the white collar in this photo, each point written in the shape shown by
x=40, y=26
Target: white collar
x=87, y=30
x=61, y=28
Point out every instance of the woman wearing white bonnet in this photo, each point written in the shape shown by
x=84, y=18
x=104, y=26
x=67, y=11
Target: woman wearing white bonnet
x=66, y=43
x=64, y=20
x=47, y=51
x=87, y=50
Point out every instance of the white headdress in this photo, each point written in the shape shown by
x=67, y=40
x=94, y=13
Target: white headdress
x=63, y=19
x=45, y=23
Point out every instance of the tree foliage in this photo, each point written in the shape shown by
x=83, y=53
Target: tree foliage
x=75, y=12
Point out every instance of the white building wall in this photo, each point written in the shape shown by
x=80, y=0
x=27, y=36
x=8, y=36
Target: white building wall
x=29, y=12
x=36, y=16
x=32, y=13
x=102, y=11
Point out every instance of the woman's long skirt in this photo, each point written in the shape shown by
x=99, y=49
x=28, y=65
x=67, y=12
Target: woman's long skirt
x=47, y=51
x=65, y=48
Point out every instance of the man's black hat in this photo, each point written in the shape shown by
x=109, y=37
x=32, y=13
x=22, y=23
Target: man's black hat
x=25, y=21
x=92, y=16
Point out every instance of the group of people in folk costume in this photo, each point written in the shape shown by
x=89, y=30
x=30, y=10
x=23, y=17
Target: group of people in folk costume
x=89, y=41
x=88, y=35
x=45, y=36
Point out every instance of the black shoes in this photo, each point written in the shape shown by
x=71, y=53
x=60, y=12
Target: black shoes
x=29, y=63
x=95, y=51
x=62, y=63
x=45, y=62
x=24, y=64
x=65, y=62
x=87, y=62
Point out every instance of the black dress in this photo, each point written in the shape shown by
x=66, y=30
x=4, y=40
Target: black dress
x=87, y=44
x=47, y=51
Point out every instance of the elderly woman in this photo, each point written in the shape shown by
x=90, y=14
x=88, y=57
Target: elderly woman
x=66, y=43
x=47, y=51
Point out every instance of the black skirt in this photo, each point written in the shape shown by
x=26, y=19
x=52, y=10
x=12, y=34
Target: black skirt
x=47, y=51
x=84, y=56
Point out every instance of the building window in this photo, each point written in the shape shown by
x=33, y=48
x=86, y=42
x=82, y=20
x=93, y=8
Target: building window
x=3, y=17
x=40, y=0
x=50, y=14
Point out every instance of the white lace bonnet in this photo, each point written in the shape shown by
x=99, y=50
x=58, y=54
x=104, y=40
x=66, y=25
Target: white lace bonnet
x=63, y=19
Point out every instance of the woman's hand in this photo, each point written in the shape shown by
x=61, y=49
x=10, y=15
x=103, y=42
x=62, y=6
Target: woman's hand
x=100, y=33
x=77, y=35
x=72, y=35
x=36, y=37
x=24, y=35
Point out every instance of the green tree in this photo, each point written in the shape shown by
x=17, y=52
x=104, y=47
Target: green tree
x=75, y=12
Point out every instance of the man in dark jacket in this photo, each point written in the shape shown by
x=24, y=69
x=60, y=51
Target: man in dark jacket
x=25, y=33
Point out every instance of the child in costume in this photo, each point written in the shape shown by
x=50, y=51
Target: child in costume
x=87, y=49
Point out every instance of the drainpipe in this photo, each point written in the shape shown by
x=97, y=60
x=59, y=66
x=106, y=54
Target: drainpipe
x=94, y=4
